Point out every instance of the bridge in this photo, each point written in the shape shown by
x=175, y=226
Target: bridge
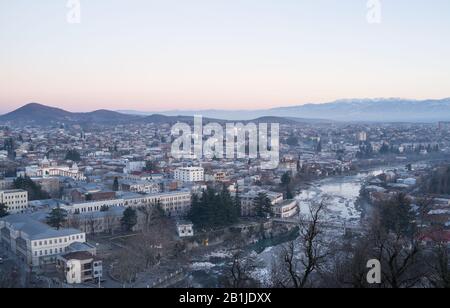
x=344, y=226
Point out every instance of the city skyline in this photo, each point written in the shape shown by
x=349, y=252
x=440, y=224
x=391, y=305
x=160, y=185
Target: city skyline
x=153, y=56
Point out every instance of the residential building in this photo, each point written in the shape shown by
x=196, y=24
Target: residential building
x=185, y=229
x=16, y=200
x=34, y=242
x=80, y=267
x=285, y=209
x=190, y=174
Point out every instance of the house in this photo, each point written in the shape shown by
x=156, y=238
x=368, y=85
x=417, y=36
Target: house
x=80, y=266
x=185, y=229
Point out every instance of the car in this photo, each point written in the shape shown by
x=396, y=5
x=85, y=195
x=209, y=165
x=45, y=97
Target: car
x=1, y=260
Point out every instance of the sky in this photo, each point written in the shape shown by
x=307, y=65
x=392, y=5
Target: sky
x=220, y=54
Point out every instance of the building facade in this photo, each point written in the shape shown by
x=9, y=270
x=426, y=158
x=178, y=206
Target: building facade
x=16, y=200
x=190, y=174
x=34, y=242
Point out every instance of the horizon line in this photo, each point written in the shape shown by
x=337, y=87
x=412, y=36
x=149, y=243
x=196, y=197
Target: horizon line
x=342, y=100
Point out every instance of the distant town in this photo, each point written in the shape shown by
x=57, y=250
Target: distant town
x=92, y=204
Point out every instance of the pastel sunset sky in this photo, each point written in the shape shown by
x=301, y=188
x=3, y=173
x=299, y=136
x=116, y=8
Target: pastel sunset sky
x=222, y=54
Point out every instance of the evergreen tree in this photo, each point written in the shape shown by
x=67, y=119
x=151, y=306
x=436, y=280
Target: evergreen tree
x=57, y=218
x=289, y=194
x=129, y=219
x=238, y=202
x=397, y=216
x=263, y=205
x=73, y=155
x=286, y=179
x=319, y=147
x=3, y=210
x=213, y=209
x=116, y=184
x=34, y=190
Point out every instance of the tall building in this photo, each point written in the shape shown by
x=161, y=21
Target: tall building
x=16, y=200
x=190, y=174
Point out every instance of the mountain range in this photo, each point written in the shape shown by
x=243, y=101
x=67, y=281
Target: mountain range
x=350, y=110
x=41, y=115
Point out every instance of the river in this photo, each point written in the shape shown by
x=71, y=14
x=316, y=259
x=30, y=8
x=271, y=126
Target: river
x=341, y=194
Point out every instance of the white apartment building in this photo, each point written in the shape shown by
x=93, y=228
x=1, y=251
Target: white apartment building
x=248, y=201
x=175, y=203
x=34, y=242
x=16, y=200
x=286, y=209
x=190, y=174
x=185, y=229
x=79, y=267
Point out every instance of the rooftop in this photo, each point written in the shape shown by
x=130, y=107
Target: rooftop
x=36, y=230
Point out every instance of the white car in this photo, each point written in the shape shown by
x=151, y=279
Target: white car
x=1, y=260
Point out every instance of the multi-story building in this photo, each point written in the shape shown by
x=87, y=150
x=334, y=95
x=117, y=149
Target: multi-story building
x=285, y=209
x=248, y=201
x=34, y=242
x=148, y=187
x=80, y=266
x=16, y=200
x=190, y=174
x=174, y=203
x=47, y=169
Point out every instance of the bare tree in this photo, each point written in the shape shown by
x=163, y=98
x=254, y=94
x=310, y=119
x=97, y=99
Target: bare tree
x=296, y=268
x=127, y=267
x=239, y=273
x=155, y=241
x=400, y=257
x=439, y=265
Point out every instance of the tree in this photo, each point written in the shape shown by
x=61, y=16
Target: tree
x=319, y=146
x=152, y=214
x=57, y=217
x=238, y=275
x=34, y=190
x=150, y=166
x=289, y=194
x=292, y=140
x=439, y=265
x=73, y=155
x=238, y=202
x=384, y=149
x=397, y=216
x=155, y=241
x=129, y=219
x=263, y=205
x=286, y=179
x=214, y=209
x=3, y=210
x=296, y=270
x=116, y=184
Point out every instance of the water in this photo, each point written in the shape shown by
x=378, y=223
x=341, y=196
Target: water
x=341, y=194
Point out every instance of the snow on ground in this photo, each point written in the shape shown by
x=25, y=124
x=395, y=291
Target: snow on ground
x=198, y=266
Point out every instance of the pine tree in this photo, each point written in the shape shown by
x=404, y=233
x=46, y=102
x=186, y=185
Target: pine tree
x=116, y=184
x=3, y=210
x=238, y=202
x=73, y=155
x=263, y=205
x=289, y=194
x=57, y=218
x=129, y=219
